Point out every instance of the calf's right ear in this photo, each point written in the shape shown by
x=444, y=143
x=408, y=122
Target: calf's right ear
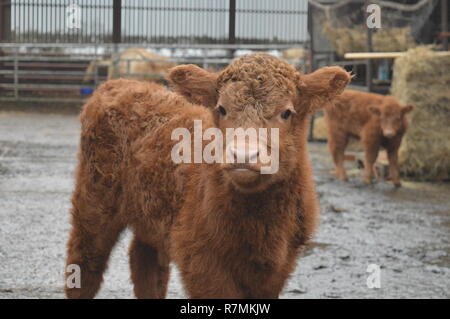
x=195, y=84
x=406, y=109
x=323, y=85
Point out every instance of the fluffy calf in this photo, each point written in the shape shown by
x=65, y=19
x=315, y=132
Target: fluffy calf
x=379, y=121
x=233, y=232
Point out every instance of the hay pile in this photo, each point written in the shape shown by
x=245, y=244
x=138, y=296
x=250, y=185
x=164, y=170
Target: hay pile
x=320, y=129
x=345, y=39
x=295, y=54
x=423, y=79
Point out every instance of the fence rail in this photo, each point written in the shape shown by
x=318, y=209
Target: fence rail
x=33, y=73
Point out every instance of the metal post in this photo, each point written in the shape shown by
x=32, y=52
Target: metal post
x=232, y=22
x=16, y=73
x=2, y=27
x=5, y=20
x=232, y=25
x=444, y=23
x=312, y=66
x=2, y=54
x=2, y=19
x=117, y=21
x=96, y=67
x=205, y=64
x=117, y=33
x=369, y=64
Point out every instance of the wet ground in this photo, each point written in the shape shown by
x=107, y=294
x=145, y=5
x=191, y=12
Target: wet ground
x=404, y=231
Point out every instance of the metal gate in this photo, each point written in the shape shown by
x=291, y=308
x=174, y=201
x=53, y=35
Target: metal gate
x=46, y=46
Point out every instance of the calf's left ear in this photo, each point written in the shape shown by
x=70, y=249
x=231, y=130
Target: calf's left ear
x=322, y=86
x=406, y=109
x=195, y=84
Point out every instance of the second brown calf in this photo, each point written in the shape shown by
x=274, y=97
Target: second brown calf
x=379, y=121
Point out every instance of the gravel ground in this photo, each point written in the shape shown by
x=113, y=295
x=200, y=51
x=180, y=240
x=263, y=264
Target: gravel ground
x=404, y=231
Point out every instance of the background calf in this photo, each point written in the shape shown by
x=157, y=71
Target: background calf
x=379, y=121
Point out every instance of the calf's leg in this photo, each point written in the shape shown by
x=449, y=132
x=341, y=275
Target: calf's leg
x=371, y=148
x=89, y=249
x=212, y=282
x=337, y=143
x=149, y=270
x=394, y=173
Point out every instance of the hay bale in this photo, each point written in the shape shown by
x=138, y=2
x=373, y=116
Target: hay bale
x=294, y=54
x=345, y=39
x=422, y=78
x=320, y=130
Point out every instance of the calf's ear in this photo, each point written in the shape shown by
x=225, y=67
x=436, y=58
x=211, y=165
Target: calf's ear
x=406, y=109
x=322, y=86
x=195, y=84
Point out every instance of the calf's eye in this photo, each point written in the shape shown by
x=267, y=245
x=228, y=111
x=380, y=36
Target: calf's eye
x=285, y=115
x=222, y=110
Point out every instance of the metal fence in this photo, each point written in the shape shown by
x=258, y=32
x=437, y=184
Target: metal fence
x=57, y=72
x=46, y=46
x=154, y=21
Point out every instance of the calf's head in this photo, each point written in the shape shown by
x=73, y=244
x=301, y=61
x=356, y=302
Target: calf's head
x=392, y=116
x=261, y=105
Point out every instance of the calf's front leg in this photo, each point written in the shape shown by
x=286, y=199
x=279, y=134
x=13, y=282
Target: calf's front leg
x=371, y=148
x=149, y=270
x=394, y=173
x=337, y=143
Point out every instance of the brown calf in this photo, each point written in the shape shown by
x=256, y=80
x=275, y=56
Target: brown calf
x=232, y=231
x=379, y=121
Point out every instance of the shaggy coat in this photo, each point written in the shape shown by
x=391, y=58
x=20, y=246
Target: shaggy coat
x=233, y=232
x=378, y=120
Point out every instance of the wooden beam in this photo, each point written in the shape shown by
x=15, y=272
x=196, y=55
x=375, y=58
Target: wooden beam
x=383, y=55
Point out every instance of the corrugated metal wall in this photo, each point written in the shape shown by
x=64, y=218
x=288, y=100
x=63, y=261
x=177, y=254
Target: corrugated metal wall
x=283, y=21
x=160, y=21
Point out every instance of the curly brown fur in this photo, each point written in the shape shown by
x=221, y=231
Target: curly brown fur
x=379, y=121
x=232, y=234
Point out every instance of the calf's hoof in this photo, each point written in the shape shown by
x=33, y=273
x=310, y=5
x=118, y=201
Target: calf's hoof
x=342, y=176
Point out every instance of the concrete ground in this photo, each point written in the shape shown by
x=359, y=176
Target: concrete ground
x=404, y=231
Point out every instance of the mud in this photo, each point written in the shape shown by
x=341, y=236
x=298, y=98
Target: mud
x=405, y=231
